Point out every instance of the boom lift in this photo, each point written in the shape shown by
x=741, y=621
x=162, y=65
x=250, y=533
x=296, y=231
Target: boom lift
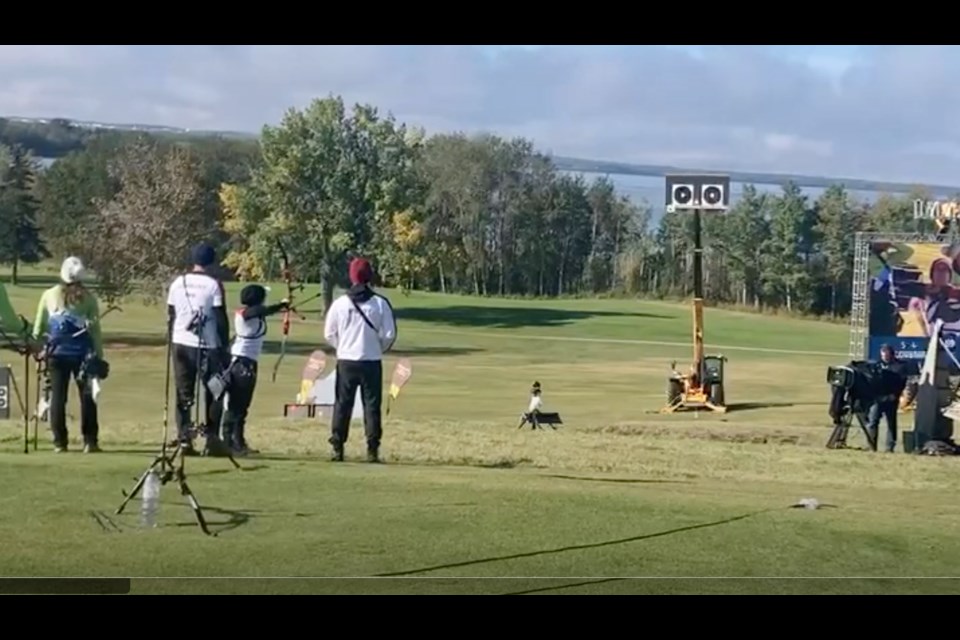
x=702, y=387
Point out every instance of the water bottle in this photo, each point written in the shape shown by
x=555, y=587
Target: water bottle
x=150, y=500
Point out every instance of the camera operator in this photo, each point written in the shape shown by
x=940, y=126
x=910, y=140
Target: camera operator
x=890, y=381
x=199, y=331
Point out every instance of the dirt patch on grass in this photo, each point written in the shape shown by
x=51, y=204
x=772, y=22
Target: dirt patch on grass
x=714, y=434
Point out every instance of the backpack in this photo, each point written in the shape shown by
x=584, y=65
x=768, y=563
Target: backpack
x=66, y=336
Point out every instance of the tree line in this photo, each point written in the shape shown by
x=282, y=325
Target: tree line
x=453, y=213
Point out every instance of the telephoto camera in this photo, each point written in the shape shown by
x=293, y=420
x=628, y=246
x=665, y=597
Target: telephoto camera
x=852, y=391
x=853, y=386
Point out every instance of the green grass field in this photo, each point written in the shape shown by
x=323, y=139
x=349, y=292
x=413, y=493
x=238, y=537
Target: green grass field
x=619, y=500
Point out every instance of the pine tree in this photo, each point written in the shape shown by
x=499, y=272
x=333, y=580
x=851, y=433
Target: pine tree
x=20, y=240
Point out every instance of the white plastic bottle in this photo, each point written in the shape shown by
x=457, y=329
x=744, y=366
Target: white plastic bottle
x=150, y=500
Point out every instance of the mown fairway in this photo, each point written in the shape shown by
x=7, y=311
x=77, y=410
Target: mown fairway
x=619, y=491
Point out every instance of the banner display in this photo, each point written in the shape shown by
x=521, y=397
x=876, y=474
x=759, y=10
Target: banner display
x=912, y=285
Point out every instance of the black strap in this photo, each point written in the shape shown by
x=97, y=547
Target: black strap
x=362, y=314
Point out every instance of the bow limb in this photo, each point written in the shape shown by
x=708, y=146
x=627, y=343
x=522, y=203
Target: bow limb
x=288, y=279
x=287, y=275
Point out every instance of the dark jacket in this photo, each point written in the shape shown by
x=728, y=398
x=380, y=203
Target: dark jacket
x=890, y=380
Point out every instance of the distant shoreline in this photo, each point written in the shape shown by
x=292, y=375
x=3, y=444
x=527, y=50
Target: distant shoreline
x=580, y=165
x=563, y=163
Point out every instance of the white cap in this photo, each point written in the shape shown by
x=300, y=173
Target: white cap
x=72, y=270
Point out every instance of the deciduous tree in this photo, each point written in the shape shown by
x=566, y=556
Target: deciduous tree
x=142, y=236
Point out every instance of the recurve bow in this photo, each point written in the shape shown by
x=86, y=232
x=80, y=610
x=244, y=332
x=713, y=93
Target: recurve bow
x=287, y=275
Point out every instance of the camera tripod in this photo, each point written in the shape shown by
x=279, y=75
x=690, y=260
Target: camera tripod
x=171, y=467
x=841, y=427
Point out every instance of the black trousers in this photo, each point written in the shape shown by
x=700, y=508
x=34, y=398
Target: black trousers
x=368, y=376
x=61, y=371
x=243, y=382
x=188, y=364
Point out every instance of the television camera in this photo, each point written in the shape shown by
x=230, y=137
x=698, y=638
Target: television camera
x=853, y=391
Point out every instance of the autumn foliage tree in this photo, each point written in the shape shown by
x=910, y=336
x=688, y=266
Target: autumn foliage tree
x=241, y=218
x=406, y=257
x=139, y=239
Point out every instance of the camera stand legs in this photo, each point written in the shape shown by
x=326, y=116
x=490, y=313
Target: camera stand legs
x=171, y=468
x=838, y=438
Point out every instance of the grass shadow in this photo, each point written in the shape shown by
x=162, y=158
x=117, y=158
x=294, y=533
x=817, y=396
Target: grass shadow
x=753, y=406
x=569, y=585
x=429, y=505
x=616, y=480
x=509, y=317
x=235, y=519
x=273, y=347
x=153, y=452
x=231, y=469
x=579, y=547
x=307, y=349
x=34, y=280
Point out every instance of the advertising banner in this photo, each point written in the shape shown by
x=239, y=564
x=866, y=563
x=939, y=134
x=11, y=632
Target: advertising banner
x=911, y=286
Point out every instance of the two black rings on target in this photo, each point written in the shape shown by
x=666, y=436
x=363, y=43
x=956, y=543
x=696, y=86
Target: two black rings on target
x=710, y=194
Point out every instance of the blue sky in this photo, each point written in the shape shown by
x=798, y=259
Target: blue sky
x=880, y=112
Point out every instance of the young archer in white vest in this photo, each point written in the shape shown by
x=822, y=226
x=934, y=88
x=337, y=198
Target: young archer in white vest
x=250, y=327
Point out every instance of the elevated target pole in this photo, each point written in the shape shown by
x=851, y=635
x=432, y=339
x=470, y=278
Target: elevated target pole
x=703, y=386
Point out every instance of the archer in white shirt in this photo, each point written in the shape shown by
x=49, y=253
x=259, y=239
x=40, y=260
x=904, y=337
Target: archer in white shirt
x=199, y=332
x=361, y=326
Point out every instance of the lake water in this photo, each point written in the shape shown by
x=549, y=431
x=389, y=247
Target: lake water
x=650, y=190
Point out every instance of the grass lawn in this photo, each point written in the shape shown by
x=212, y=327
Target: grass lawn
x=619, y=500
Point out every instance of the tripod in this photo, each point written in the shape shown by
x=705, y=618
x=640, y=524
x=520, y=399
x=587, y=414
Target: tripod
x=841, y=427
x=171, y=466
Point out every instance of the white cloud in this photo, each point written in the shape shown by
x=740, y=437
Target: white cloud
x=872, y=112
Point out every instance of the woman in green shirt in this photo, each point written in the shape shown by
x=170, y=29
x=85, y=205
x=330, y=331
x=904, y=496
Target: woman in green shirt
x=68, y=321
